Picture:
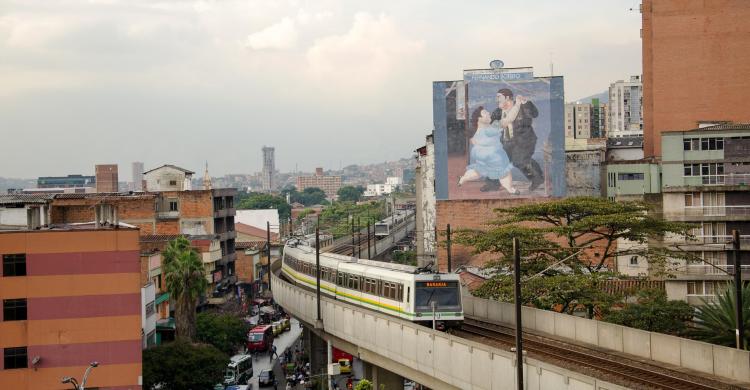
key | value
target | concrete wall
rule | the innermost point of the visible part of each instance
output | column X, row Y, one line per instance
column 436, row 359
column 703, row 357
column 13, row 216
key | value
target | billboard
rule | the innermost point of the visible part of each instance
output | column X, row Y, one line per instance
column 499, row 133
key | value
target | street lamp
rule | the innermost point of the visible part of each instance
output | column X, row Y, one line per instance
column 74, row 382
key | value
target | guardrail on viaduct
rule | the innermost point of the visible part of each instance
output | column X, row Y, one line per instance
column 704, row 357
column 421, row 354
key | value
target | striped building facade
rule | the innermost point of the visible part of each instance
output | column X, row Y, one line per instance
column 70, row 296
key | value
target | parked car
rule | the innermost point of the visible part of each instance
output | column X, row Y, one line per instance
column 286, row 324
column 346, row 366
column 266, row 378
column 277, row 328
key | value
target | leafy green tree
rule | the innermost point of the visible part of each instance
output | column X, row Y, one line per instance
column 335, row 219
column 185, row 281
column 715, row 323
column 579, row 222
column 258, row 201
column 654, row 313
column 405, row 257
column 363, row 384
column 350, row 193
column 225, row 331
column 181, row 365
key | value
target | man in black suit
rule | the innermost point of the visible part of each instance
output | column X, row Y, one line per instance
column 519, row 140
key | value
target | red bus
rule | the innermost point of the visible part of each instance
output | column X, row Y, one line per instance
column 260, row 338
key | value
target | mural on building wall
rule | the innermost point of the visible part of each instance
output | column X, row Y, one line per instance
column 499, row 134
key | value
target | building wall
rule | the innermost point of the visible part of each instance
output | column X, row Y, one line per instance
column 583, row 171
column 426, row 204
column 714, row 37
column 625, row 114
column 166, row 178
column 83, row 297
column 106, row 177
column 329, row 184
column 246, row 258
column 137, row 171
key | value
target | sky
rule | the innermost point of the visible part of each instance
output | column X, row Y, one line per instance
column 327, row 82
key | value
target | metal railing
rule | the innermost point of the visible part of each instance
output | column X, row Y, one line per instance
column 717, row 211
column 716, row 269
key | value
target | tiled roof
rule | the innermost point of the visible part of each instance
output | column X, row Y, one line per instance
column 159, row 237
column 25, row 198
column 631, row 286
column 254, row 231
column 625, row 142
column 250, row 244
column 170, row 166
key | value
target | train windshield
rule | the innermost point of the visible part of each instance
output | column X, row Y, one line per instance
column 446, row 296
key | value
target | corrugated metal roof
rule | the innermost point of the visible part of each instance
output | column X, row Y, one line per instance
column 171, row 166
column 102, row 195
column 159, row 237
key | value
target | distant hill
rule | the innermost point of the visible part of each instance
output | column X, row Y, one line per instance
column 603, row 98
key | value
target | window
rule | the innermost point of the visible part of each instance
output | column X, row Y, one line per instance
column 172, row 204
column 150, row 309
column 14, row 264
column 634, row 260
column 695, row 288
column 692, row 169
column 14, row 309
column 15, row 358
column 630, row 176
column 692, row 199
column 173, row 182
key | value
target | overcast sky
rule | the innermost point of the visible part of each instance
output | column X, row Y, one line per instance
column 327, row 82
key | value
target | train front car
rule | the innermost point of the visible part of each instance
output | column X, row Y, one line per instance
column 438, row 296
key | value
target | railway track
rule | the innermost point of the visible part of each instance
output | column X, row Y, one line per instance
column 630, row 373
column 345, row 248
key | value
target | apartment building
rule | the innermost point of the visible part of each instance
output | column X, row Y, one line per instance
column 106, row 177
column 625, row 115
column 329, row 184
column 702, row 179
column 71, row 296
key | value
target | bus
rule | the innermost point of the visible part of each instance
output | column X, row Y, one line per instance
column 260, row 338
column 239, row 370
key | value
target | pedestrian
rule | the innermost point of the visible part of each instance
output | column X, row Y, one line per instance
column 273, row 353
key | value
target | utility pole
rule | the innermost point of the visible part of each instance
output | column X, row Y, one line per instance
column 368, row 240
column 268, row 249
column 359, row 239
column 317, row 268
column 519, row 329
column 448, row 245
column 738, row 317
column 354, row 253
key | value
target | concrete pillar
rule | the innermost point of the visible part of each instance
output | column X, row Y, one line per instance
column 382, row 378
column 318, row 349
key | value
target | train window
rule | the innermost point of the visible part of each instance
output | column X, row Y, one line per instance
column 408, row 294
column 400, row 292
column 340, row 279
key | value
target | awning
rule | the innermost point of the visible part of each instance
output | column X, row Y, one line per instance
column 161, row 298
column 165, row 324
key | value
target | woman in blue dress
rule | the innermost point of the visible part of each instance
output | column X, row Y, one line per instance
column 487, row 158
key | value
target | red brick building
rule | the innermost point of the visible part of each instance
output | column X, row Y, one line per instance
column 106, row 177
column 696, row 65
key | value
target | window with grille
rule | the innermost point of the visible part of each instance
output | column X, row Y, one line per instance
column 15, row 357
column 14, row 309
column 14, row 264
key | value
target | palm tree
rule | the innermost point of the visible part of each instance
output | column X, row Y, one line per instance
column 185, row 280
column 715, row 322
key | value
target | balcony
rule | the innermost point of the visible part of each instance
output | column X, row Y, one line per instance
column 716, row 269
column 706, row 242
column 717, row 213
column 167, row 215
column 731, row 179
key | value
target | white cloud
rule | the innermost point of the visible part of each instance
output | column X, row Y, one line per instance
column 365, row 55
column 304, row 17
column 23, row 31
column 282, row 35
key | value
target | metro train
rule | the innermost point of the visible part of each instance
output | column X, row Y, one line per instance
column 394, row 289
column 384, row 227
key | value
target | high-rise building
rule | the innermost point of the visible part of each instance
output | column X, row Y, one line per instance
column 137, row 176
column 269, row 167
column 626, row 108
column 329, row 184
column 696, row 66
column 106, row 177
column 71, row 295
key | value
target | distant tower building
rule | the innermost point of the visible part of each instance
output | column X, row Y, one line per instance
column 626, row 108
column 137, row 176
column 206, row 179
column 269, row 167
column 106, row 177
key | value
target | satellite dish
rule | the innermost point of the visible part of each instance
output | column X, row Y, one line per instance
column 496, row 64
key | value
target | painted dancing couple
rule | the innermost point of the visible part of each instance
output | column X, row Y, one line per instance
column 502, row 140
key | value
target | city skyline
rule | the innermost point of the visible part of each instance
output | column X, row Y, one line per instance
column 133, row 77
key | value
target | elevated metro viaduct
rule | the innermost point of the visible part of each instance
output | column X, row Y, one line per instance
column 393, row 349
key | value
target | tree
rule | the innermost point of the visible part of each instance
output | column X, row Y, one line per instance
column 181, row 365
column 569, row 240
column 654, row 313
column 185, row 281
column 714, row 321
column 405, row 257
column 363, row 384
column 350, row 193
column 259, row 201
column 224, row 331
column 579, row 222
